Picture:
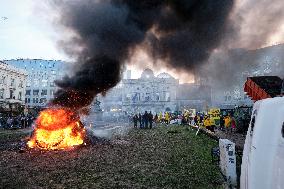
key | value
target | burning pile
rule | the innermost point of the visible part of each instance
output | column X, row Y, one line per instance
column 57, row 128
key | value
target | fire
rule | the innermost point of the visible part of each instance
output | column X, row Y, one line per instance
column 57, row 129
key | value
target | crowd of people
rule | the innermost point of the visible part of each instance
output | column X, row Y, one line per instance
column 14, row 122
column 145, row 120
column 225, row 123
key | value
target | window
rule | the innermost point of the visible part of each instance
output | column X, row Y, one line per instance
column 147, row 97
column 44, row 83
column 34, row 100
column 29, row 100
column 28, row 83
column 20, row 96
column 168, row 96
column 128, row 96
column 11, row 94
column 12, row 82
column 157, row 96
column 35, row 92
column 28, row 92
column 42, row 100
column 1, row 93
column 44, row 92
column 21, row 84
column 51, row 92
column 2, row 80
column 36, row 82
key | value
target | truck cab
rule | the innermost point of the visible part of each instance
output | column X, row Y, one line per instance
column 263, row 155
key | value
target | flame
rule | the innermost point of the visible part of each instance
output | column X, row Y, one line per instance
column 57, row 129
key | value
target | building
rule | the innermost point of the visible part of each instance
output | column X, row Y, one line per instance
column 149, row 93
column 157, row 94
column 12, row 87
column 40, row 86
column 240, row 64
column 196, row 96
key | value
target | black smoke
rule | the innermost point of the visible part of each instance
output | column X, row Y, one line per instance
column 183, row 33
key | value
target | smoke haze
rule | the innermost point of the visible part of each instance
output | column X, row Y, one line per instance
column 187, row 35
column 258, row 23
column 182, row 33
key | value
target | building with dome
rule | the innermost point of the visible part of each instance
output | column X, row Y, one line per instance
column 154, row 93
column 147, row 74
column 149, row 93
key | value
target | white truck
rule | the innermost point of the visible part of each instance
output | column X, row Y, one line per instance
column 263, row 155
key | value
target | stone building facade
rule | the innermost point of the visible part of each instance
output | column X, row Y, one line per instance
column 155, row 93
column 12, row 87
column 40, row 87
column 150, row 93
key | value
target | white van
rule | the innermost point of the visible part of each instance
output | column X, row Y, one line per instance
column 263, row 155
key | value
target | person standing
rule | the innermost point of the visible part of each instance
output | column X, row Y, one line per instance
column 22, row 118
column 233, row 125
column 146, row 120
column 222, row 123
column 167, row 118
column 135, row 120
column 140, row 120
column 199, row 123
column 160, row 118
column 207, row 123
column 156, row 119
column 30, row 121
column 212, row 124
column 2, row 122
column 9, row 122
column 150, row 118
column 195, row 120
column 227, row 121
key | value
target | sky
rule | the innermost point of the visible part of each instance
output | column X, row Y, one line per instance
column 26, row 31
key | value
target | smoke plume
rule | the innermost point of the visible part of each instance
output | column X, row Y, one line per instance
column 183, row 33
column 258, row 23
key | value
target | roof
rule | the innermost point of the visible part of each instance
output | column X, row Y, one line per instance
column 270, row 84
column 10, row 68
column 147, row 74
column 165, row 75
